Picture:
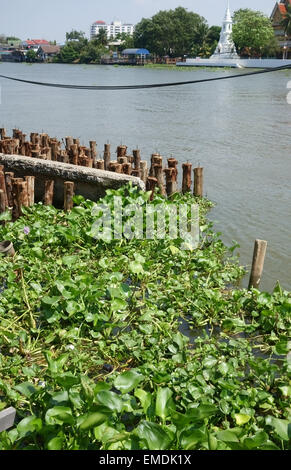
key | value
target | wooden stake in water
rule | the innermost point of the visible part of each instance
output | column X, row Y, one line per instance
column 30, row 181
column 8, row 182
column 68, row 195
column 187, row 182
column 198, row 182
column 48, row 192
column 258, row 263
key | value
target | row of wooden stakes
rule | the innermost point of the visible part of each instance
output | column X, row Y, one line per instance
column 16, row 193
column 47, row 148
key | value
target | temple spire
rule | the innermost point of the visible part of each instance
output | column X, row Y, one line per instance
column 226, row 48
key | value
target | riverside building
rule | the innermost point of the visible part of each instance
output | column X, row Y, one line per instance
column 113, row 29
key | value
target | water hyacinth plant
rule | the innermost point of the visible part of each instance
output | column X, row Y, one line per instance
column 137, row 344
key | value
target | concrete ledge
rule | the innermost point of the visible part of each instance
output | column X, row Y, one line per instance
column 89, row 182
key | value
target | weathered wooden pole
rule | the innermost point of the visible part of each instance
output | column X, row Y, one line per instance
column 30, row 181
column 22, row 197
column 107, row 156
column 127, row 168
column 2, row 133
column 144, row 171
column 68, row 195
column 73, row 154
column 2, row 202
column 171, row 184
column 3, row 186
column 260, row 249
column 122, row 160
column 8, row 183
column 173, row 163
column 136, row 159
column 159, row 174
column 121, row 151
column 187, row 173
column 151, row 186
column 100, row 164
column 153, row 161
column 16, row 211
column 135, row 173
column 48, row 192
column 198, row 182
column 69, row 142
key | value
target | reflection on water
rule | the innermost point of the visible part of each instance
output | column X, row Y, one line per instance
column 239, row 130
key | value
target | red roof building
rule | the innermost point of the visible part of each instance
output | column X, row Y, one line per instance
column 277, row 16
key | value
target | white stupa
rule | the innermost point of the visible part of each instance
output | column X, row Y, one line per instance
column 225, row 47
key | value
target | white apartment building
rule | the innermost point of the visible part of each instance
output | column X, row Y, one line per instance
column 112, row 29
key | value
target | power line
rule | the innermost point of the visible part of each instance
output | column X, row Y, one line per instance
column 140, row 87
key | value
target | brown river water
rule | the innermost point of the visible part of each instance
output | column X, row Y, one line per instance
column 239, row 130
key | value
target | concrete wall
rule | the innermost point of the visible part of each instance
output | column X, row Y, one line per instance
column 89, row 182
column 247, row 63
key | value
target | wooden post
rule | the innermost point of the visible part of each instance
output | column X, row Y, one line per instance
column 94, row 153
column 136, row 159
column 198, row 182
column 107, row 156
column 3, row 133
column 126, row 168
column 135, row 173
column 121, row 151
column 7, row 418
column 158, row 172
column 48, row 192
column 172, row 163
column 74, row 154
column 187, row 182
column 171, row 184
column 30, row 181
column 8, row 182
column 260, row 249
column 153, row 161
column 122, row 160
column 144, row 171
column 68, row 195
column 151, row 185
column 100, row 164
column 3, row 186
column 69, row 142
column 22, row 197
column 2, row 203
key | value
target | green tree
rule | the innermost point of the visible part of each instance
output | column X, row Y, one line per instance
column 127, row 41
column 31, row 56
column 171, row 32
column 252, row 32
column 75, row 35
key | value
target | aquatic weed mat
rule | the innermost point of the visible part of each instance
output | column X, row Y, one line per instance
column 137, row 344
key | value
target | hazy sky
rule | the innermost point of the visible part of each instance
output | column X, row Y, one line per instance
column 51, row 19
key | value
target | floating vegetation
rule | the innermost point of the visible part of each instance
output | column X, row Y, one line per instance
column 93, row 353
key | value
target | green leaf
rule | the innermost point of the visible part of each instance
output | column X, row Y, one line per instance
column 56, row 443
column 281, row 426
column 241, row 419
column 227, row 436
column 59, row 415
column 135, row 267
column 90, row 420
column 111, row 400
column 191, row 437
column 256, row 441
column 29, row 425
column 27, row 389
column 145, row 398
column 128, row 380
column 154, row 434
column 164, row 403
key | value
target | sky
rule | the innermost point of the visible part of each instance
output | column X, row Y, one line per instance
column 51, row 19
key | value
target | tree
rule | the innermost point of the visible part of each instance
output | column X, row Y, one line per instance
column 75, row 36
column 31, row 56
column 101, row 37
column 127, row 41
column 171, row 32
column 252, row 32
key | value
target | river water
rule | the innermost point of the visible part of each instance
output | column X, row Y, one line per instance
column 238, row 130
